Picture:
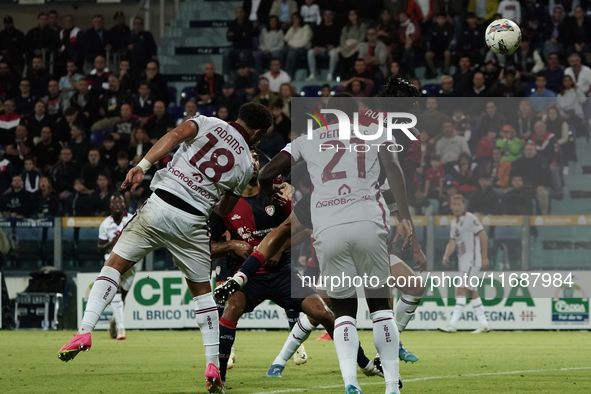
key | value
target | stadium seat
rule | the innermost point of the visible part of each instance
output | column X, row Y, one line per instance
column 206, row 110
column 187, row 94
column 530, row 88
column 97, row 136
column 431, row 89
column 177, row 112
column 172, row 95
column 310, row 91
column 334, row 90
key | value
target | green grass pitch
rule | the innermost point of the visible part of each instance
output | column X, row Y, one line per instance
column 173, row 362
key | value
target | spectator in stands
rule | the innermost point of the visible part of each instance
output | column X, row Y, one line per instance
column 110, row 104
column 102, row 196
column 434, row 177
column 510, row 9
column 80, row 201
column 492, row 120
column 120, row 33
column 25, row 101
column 534, row 171
column 517, row 201
column 553, row 73
column 524, row 123
column 386, row 29
column 463, row 173
column 209, row 85
column 541, row 97
column 485, row 146
column 450, row 146
column 230, row 100
column 420, row 11
column 141, row 48
column 78, row 144
column 71, row 39
column 6, row 171
column 122, row 128
column 555, row 32
column 109, row 151
column 447, row 93
column 13, row 46
column 484, row 10
column 526, row 60
column 127, row 80
column 63, row 173
column 432, row 120
column 282, row 123
column 271, row 45
column 156, row 82
column 374, row 53
column 283, row 10
column 143, row 102
column 30, row 176
column 478, row 86
column 222, row 113
column 461, row 123
column 257, row 11
column 52, row 100
column 353, row 33
column 93, row 168
column 48, row 203
column 86, row 102
column 20, row 148
column 508, row 85
column 53, row 21
column 160, row 123
column 359, row 70
column 484, row 201
column 46, row 151
column 39, row 77
column 40, row 40
column 270, row 145
column 240, row 34
column 556, row 124
column 286, row 92
column 463, row 77
column 578, row 32
column 120, row 172
column 8, row 81
column 325, row 44
column 63, row 127
column 68, row 83
column 498, row 170
column 298, row 40
column 190, row 111
column 276, row 76
column 438, row 44
column 38, row 120
column 97, row 40
column 8, row 123
column 98, row 78
column 470, row 42
column 310, row 13
column 265, row 96
column 509, row 144
column 491, row 71
column 357, row 87
column 18, row 202
column 570, row 102
column 139, row 145
column 245, row 82
column 580, row 73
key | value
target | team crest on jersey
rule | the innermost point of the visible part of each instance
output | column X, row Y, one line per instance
column 270, row 209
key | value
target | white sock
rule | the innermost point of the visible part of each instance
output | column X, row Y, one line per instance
column 300, row 332
column 117, row 306
column 479, row 310
column 241, row 278
column 206, row 313
column 385, row 339
column 405, row 309
column 457, row 313
column 346, row 342
column 102, row 293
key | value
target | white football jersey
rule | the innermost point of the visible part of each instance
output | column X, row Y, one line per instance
column 344, row 180
column 109, row 230
column 464, row 231
column 217, row 160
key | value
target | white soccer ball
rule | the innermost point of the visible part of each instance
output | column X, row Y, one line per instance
column 503, row 36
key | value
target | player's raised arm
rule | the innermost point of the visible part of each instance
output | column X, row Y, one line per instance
column 161, row 148
column 277, row 166
column 484, row 247
column 226, row 203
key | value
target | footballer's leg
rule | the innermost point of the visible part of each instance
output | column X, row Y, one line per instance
column 461, row 294
column 476, row 303
column 232, row 312
column 408, row 302
column 118, row 331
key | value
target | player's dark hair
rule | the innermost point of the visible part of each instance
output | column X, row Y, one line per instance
column 399, row 87
column 117, row 195
column 255, row 116
column 345, row 102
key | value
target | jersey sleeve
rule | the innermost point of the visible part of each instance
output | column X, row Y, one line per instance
column 103, row 236
column 295, row 147
column 217, row 227
column 476, row 225
column 201, row 121
column 244, row 181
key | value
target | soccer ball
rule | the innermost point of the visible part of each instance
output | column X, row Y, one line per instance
column 503, row 36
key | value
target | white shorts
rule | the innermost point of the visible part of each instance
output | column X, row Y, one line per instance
column 127, row 278
column 352, row 250
column 160, row 225
column 471, row 270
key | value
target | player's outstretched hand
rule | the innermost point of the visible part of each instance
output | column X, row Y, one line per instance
column 420, row 259
column 134, row 178
column 404, row 230
column 445, row 261
column 273, row 261
column 485, row 263
column 280, row 194
column 241, row 248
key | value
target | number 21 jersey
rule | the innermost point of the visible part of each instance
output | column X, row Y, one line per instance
column 217, row 160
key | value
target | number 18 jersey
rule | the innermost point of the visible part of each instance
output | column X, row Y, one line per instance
column 217, row 160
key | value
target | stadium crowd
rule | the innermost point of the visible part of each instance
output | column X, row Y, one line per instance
column 511, row 158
